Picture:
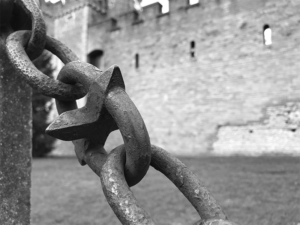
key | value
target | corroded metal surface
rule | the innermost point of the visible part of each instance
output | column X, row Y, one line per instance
column 108, row 108
column 16, row 43
column 187, row 183
column 125, row 205
column 134, row 133
column 92, row 121
column 118, row 194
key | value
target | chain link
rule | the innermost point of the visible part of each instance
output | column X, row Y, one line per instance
column 108, row 108
column 125, row 205
column 15, row 47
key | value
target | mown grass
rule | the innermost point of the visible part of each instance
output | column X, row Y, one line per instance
column 252, row 191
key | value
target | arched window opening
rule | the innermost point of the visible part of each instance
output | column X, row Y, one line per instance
column 137, row 61
column 95, row 58
column 267, row 34
column 193, row 2
column 193, row 49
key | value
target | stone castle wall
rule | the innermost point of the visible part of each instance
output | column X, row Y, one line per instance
column 218, row 101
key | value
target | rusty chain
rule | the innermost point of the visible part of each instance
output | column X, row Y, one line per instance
column 108, row 108
column 16, row 43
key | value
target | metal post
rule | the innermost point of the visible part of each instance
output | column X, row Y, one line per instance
column 15, row 133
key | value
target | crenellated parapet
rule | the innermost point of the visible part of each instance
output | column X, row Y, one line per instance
column 59, row 9
column 133, row 17
column 105, row 11
column 120, row 14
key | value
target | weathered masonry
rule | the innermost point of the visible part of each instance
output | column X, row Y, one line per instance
column 219, row 76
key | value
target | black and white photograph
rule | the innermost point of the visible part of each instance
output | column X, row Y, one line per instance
column 144, row 112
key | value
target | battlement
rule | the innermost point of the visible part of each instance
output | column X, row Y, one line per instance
column 149, row 14
column 122, row 17
column 59, row 9
column 130, row 18
column 119, row 9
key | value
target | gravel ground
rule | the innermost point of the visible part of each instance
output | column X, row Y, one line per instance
column 252, row 191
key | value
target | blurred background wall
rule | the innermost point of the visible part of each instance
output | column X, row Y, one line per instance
column 207, row 76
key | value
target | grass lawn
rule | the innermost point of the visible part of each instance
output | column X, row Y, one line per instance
column 252, row 191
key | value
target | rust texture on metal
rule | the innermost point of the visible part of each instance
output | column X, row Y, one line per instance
column 125, row 205
column 92, row 121
column 117, row 192
column 108, row 108
column 187, row 183
column 16, row 43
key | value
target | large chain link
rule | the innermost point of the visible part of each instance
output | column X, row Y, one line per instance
column 125, row 205
column 16, row 43
column 108, row 108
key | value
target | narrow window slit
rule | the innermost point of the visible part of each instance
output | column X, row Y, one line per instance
column 192, row 49
column 137, row 61
column 267, row 35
